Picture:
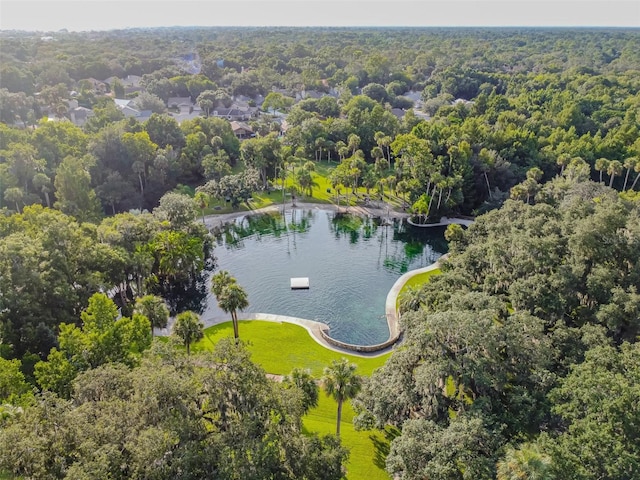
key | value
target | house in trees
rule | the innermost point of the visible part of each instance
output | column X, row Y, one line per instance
column 131, row 83
column 309, row 94
column 241, row 130
column 235, row 113
column 96, row 86
column 181, row 104
column 127, row 106
column 398, row 112
column 111, row 80
column 80, row 115
column 123, row 103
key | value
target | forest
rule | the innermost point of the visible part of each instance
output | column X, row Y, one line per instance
column 519, row 361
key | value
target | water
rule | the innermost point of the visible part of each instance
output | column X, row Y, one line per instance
column 352, row 262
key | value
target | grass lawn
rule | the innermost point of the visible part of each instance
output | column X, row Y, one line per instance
column 420, row 279
column 367, row 449
column 322, row 192
column 278, row 348
column 416, row 281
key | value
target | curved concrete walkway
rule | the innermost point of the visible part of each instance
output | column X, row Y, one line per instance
column 315, row 329
column 444, row 221
column 320, row 331
column 215, row 220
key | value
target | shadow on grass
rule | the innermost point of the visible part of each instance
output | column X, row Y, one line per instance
column 382, row 447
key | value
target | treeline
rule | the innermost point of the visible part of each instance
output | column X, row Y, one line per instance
column 507, row 354
column 214, row 415
column 51, row 264
column 521, row 360
column 123, row 166
column 475, row 111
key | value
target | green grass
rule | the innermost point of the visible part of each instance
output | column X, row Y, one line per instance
column 322, row 192
column 367, row 449
column 420, row 279
column 4, row 475
column 416, row 281
column 280, row 347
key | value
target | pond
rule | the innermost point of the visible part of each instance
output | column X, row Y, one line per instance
column 351, row 262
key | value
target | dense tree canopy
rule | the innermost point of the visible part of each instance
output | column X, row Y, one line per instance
column 506, row 355
column 214, row 416
column 492, row 104
column 522, row 333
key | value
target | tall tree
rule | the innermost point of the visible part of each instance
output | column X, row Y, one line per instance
column 155, row 309
column 342, row 383
column 188, row 328
column 303, row 380
column 614, row 169
column 73, row 190
column 231, row 299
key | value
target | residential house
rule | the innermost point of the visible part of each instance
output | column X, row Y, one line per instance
column 98, row 87
column 398, row 112
column 128, row 107
column 180, row 103
column 235, row 112
column 188, row 114
column 131, row 83
column 124, row 102
column 80, row 115
column 242, row 130
column 309, row 94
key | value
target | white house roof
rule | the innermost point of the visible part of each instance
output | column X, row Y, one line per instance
column 123, row 102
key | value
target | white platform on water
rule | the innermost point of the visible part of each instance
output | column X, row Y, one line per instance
column 300, row 283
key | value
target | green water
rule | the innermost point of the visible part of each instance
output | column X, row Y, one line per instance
column 351, row 261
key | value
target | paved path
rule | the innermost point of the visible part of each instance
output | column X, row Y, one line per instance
column 444, row 221
column 215, row 220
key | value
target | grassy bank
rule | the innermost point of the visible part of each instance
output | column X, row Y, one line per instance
column 280, row 347
column 321, row 192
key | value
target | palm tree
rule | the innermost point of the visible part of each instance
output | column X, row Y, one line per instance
column 43, row 183
column 231, row 299
column 221, row 280
column 202, row 201
column 525, row 463
column 411, row 299
column 563, row 160
column 138, row 168
column 353, row 142
column 487, row 159
column 629, row 164
column 188, row 328
column 14, row 195
column 637, row 170
column 342, row 383
column 154, row 308
column 614, row 169
column 601, row 166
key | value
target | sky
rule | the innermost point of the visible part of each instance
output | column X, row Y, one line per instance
column 85, row 15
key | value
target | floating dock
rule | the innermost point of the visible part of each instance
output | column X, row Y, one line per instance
column 300, row 283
